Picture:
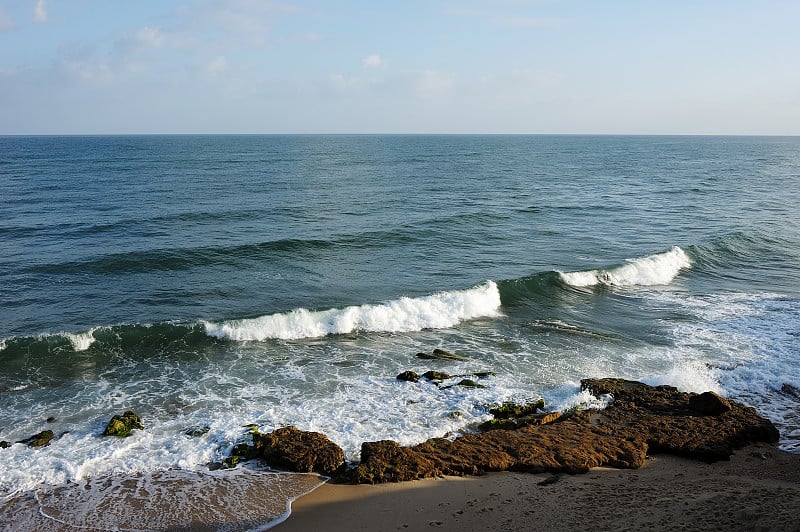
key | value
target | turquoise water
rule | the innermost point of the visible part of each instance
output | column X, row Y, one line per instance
column 224, row 280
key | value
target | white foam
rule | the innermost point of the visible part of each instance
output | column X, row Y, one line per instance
column 438, row 311
column 81, row 341
column 658, row 269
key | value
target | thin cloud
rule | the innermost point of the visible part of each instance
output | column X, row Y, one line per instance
column 40, row 11
column 372, row 61
column 151, row 37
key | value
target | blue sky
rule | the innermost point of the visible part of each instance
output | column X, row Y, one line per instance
column 480, row 66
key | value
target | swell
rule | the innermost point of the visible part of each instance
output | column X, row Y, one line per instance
column 182, row 259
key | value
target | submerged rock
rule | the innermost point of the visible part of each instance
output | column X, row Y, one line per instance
column 121, row 426
column 196, row 432
column 408, row 376
column 436, row 375
column 441, row 354
column 641, row 419
column 469, row 383
column 39, row 440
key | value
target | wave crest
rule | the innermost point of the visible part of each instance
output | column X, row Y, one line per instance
column 406, row 314
column 657, row 269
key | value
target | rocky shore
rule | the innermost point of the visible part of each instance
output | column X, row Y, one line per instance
column 640, row 419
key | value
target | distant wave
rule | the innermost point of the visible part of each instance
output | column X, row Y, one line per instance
column 657, row 269
column 406, row 314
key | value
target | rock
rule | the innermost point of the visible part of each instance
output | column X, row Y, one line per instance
column 387, row 461
column 299, row 451
column 485, row 374
column 498, row 424
column 408, row 376
column 121, row 426
column 469, row 383
column 641, row 419
column 790, row 390
column 709, row 403
column 440, row 354
column 196, row 432
column 524, row 421
column 39, row 440
column 5, row 444
column 511, row 410
column 435, row 376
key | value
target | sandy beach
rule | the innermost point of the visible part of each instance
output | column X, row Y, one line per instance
column 758, row 489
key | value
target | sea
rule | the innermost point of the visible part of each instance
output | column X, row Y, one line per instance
column 211, row 283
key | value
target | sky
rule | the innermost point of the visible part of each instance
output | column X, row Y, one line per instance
column 411, row 66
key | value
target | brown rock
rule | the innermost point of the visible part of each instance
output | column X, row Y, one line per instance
column 709, row 403
column 387, row 461
column 295, row 450
column 641, row 419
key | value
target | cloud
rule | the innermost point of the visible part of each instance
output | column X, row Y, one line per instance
column 372, row 61
column 40, row 11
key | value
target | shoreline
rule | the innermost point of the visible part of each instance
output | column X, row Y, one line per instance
column 758, row 489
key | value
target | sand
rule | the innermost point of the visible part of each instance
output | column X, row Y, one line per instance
column 758, row 489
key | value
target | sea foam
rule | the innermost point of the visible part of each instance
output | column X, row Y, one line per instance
column 406, row 314
column 81, row 341
column 657, row 269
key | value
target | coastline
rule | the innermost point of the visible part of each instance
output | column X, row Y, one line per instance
column 758, row 489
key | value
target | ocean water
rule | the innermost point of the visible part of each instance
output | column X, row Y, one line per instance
column 210, row 282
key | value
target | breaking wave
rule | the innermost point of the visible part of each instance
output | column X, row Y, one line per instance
column 658, row 269
column 406, row 314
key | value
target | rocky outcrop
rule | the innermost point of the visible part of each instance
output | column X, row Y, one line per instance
column 294, row 450
column 641, row 419
column 121, row 426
